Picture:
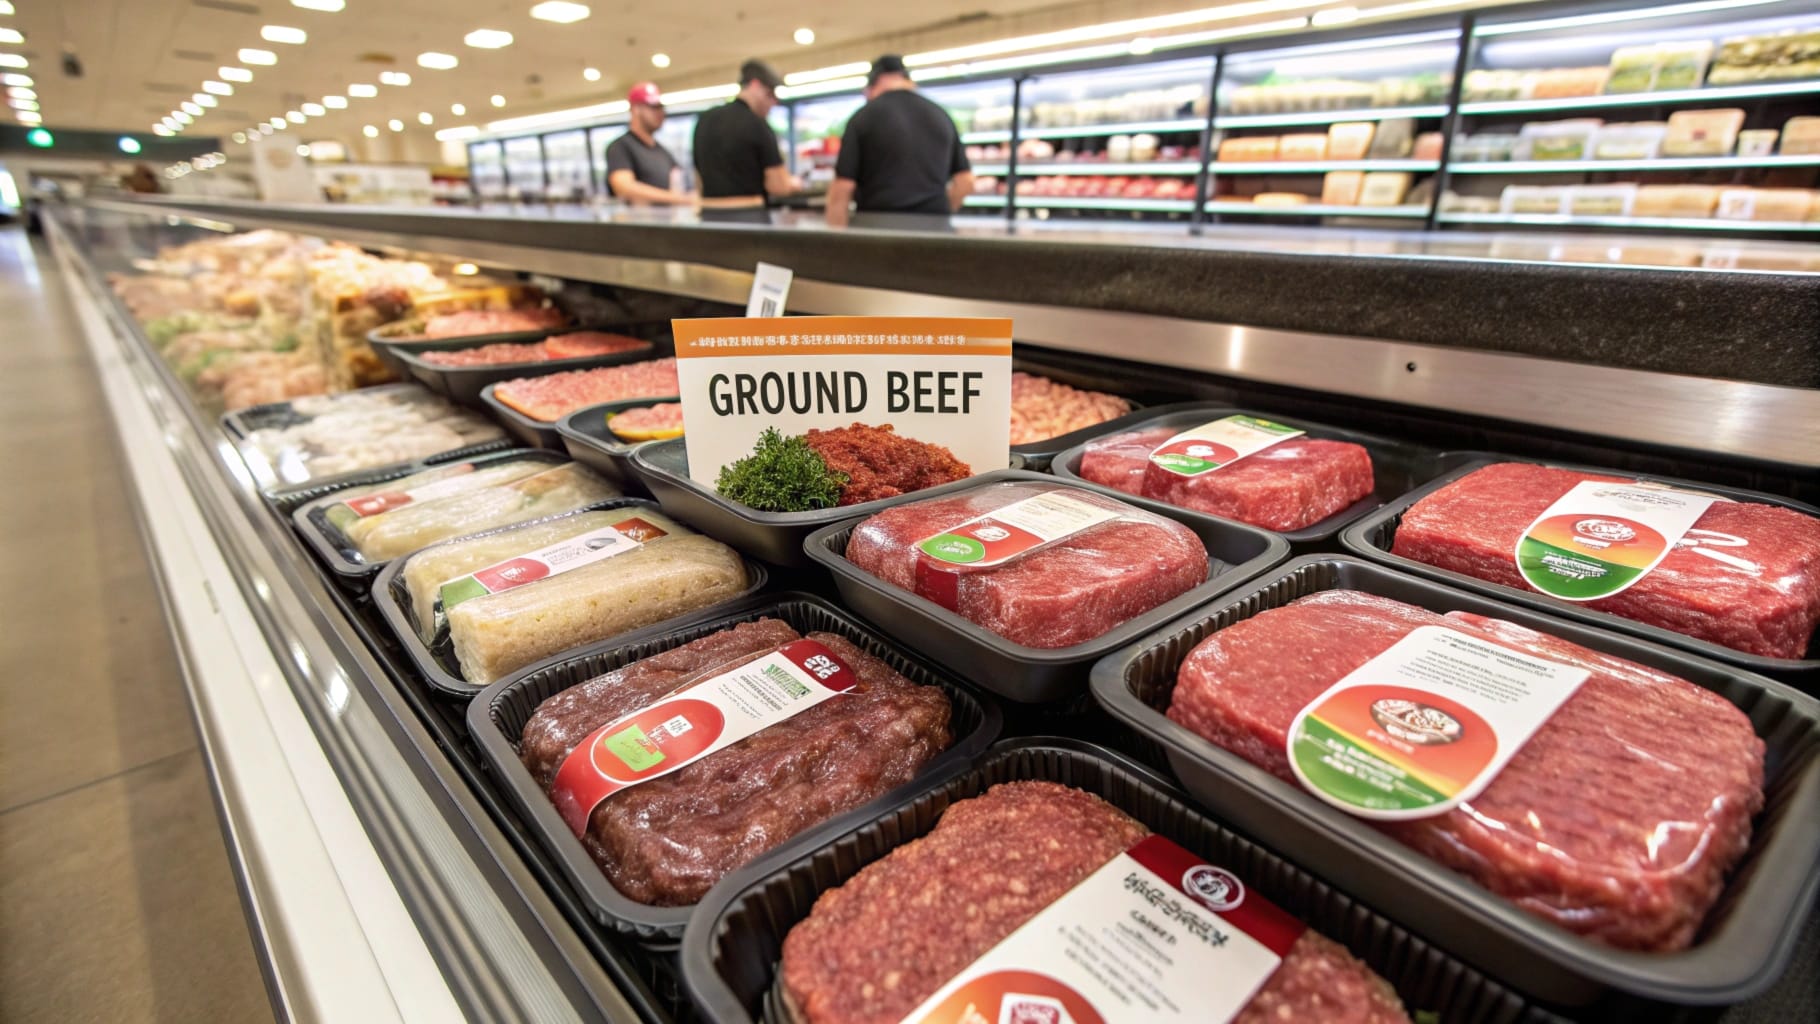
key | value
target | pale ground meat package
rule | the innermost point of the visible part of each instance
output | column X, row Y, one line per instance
column 500, row 501
column 1068, row 589
column 1617, row 820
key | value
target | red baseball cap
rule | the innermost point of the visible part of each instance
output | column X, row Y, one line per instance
column 645, row 93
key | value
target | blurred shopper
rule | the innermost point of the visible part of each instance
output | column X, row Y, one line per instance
column 737, row 159
column 901, row 155
column 639, row 169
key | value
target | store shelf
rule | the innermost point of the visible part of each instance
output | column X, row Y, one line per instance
column 1225, row 121
column 1691, row 163
column 1096, row 167
column 1322, row 166
column 1086, row 131
column 991, row 202
column 1671, row 97
column 1677, row 223
column 1106, row 203
column 1315, row 210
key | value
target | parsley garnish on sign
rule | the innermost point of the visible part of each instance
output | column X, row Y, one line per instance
column 783, row 474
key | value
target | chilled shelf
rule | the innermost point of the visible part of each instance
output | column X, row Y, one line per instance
column 1316, row 210
column 1681, row 223
column 1667, row 97
column 1084, row 131
column 1108, row 167
column 993, row 202
column 1106, row 203
column 1689, row 163
column 1224, row 121
column 1322, row 166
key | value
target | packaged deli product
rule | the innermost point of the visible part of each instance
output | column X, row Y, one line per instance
column 1702, row 132
column 576, row 345
column 1801, row 136
column 1617, row 818
column 667, row 840
column 422, row 523
column 1341, row 188
column 1038, row 564
column 991, row 865
column 365, row 502
column 1350, row 140
column 550, row 398
column 1289, row 484
column 437, row 568
column 328, row 435
column 496, row 635
column 1742, row 575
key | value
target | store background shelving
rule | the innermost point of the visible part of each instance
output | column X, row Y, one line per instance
column 1424, row 71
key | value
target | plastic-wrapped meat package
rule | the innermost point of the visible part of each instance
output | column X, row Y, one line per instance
column 367, row 502
column 328, row 435
column 1287, row 486
column 419, row 524
column 990, row 865
column 1617, row 820
column 1042, row 408
column 665, row 842
column 1043, row 565
column 498, row 634
column 553, row 396
column 1747, row 576
column 429, row 569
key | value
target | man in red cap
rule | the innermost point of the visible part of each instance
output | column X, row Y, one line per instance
column 639, row 169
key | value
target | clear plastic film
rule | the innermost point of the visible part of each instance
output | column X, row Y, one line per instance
column 1618, row 819
column 498, row 634
column 1745, row 576
column 1286, row 486
column 430, row 568
column 552, row 396
column 335, row 434
column 507, row 501
column 667, row 841
column 1043, row 565
column 371, row 500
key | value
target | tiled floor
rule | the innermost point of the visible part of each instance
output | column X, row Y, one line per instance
column 116, row 901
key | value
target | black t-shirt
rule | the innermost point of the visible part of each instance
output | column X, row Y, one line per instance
column 733, row 148
column 650, row 164
column 901, row 148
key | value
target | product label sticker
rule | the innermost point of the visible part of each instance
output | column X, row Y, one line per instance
column 1601, row 537
column 770, row 289
column 694, row 723
column 1222, row 442
column 343, row 513
column 1426, row 725
column 944, row 381
column 1000, row 536
column 554, row 560
column 1156, row 934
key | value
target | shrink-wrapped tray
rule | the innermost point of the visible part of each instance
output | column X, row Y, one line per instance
column 420, row 524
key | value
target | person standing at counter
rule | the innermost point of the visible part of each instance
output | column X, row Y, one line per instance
column 900, row 154
column 639, row 169
column 737, row 159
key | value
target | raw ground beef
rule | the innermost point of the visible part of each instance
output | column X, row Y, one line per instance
column 648, row 422
column 880, row 463
column 1760, row 597
column 1287, row 486
column 492, row 321
column 1042, row 408
column 667, row 841
column 561, row 346
column 1066, row 593
column 552, row 397
column 875, row 948
column 1617, row 820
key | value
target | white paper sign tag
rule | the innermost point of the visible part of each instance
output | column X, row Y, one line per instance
column 770, row 290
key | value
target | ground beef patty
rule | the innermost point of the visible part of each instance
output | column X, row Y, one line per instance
column 1617, row 820
column 875, row 948
column 880, row 463
column 667, row 841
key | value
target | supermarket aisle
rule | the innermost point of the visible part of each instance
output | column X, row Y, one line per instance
column 116, row 901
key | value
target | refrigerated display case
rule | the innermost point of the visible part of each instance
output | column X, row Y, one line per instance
column 599, row 138
column 815, row 130
column 568, row 167
column 487, row 170
column 525, row 179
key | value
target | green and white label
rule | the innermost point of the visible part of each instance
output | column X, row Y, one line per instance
column 1015, row 529
column 1426, row 725
column 1222, row 442
column 1601, row 537
column 554, row 560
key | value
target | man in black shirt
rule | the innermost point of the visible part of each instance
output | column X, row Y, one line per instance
column 900, row 153
column 639, row 169
column 737, row 159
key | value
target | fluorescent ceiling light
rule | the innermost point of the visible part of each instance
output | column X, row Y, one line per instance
column 395, row 124
column 129, row 145
column 284, row 34
column 203, row 99
column 560, row 117
column 466, row 131
column 314, row 109
column 217, row 88
column 1334, row 16
column 161, row 130
column 706, row 92
column 823, row 74
column 233, row 74
column 190, row 108
column 182, row 118
column 13, row 60
column 23, row 104
column 276, row 122
column 21, row 92
column 458, row 109
column 792, row 92
column 27, row 117
column 591, row 74
column 335, row 102
column 426, row 118
column 393, row 78
column 1142, row 45
column 240, row 137
column 1609, row 17
column 1119, row 29
column 660, row 60
column 360, row 90
column 804, row 36
column 488, row 39
column 434, row 61
column 11, row 78
column 560, row 12
column 370, row 131
column 295, row 116
column 11, row 35
column 251, row 56
column 6, row 7
column 325, row 6
column 303, row 150
column 498, row 100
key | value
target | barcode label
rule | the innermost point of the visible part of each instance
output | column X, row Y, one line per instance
column 767, row 306
column 770, row 287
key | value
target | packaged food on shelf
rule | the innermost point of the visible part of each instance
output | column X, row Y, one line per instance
column 839, row 967
column 1687, row 201
column 1780, row 204
column 1454, row 202
column 452, row 572
column 1742, row 574
column 1702, row 132
column 1570, row 828
column 500, row 633
column 1556, row 140
column 1384, row 188
column 1118, row 149
column 1296, row 96
column 1790, row 54
column 647, row 422
column 1801, row 136
column 666, row 839
column 1350, row 140
column 501, row 500
column 1615, row 200
column 365, row 500
column 1394, row 138
column 1042, row 408
column 1485, row 146
column 1341, row 188
column 550, row 398
column 323, row 436
column 573, row 345
column 1304, row 146
column 1041, row 565
column 1633, row 68
column 1427, row 146
column 1532, row 199
column 352, row 293
column 1248, row 148
column 1638, row 140
column 1280, row 199
column 1682, row 65
column 1144, row 147
column 464, row 323
column 1757, row 142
